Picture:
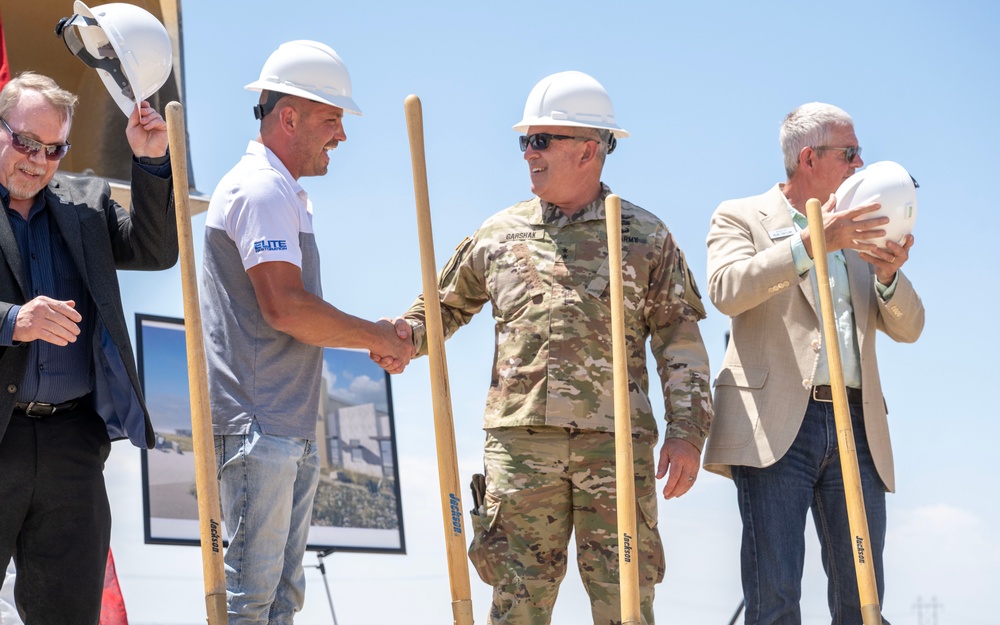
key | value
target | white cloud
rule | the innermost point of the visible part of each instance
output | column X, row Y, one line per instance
column 329, row 376
column 362, row 390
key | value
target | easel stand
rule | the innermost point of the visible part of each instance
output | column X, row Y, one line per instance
column 322, row 570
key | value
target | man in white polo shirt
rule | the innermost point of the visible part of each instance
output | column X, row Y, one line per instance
column 266, row 325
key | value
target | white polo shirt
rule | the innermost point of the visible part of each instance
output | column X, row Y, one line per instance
column 258, row 214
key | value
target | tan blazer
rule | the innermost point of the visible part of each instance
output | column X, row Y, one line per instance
column 762, row 390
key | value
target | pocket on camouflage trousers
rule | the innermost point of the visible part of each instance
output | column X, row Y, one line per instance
column 488, row 551
column 650, row 547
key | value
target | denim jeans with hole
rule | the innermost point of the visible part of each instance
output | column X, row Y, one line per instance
column 774, row 502
column 266, row 486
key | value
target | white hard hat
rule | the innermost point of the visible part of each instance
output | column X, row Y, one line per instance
column 127, row 45
column 891, row 186
column 307, row 69
column 570, row 99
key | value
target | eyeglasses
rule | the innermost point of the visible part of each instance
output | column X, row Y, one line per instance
column 30, row 147
column 540, row 140
column 850, row 153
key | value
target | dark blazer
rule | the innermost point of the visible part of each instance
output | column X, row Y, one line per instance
column 102, row 237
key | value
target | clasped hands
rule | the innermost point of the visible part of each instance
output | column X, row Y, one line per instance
column 397, row 338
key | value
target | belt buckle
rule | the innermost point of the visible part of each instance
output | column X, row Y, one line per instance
column 820, row 399
column 39, row 409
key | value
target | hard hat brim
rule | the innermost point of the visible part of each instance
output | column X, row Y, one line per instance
column 127, row 105
column 82, row 9
column 524, row 124
column 342, row 102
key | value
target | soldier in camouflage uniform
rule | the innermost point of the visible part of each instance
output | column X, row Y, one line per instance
column 550, row 450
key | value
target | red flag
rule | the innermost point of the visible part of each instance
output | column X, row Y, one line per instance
column 112, row 603
column 4, row 68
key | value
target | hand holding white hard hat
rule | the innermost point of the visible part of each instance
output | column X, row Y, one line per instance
column 890, row 185
column 130, row 49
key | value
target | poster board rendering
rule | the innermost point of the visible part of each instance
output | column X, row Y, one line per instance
column 357, row 505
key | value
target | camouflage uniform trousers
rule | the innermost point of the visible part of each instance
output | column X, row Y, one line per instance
column 543, row 483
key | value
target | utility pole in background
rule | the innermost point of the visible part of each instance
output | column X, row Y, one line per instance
column 932, row 607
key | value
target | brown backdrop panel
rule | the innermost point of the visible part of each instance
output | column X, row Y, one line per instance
column 98, row 137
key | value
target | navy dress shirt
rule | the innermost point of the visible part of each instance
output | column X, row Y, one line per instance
column 54, row 374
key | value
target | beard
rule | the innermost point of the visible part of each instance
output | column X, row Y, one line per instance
column 318, row 166
column 21, row 189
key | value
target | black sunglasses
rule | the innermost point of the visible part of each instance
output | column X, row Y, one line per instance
column 540, row 140
column 850, row 153
column 30, row 147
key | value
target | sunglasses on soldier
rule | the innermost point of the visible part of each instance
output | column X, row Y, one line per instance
column 30, row 147
column 540, row 140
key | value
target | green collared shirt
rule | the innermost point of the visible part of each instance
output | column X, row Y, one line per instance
column 840, row 289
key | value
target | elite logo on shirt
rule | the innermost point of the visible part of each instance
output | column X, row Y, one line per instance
column 270, row 246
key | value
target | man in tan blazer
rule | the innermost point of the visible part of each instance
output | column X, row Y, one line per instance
column 774, row 430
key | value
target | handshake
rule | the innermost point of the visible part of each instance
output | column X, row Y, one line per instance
column 393, row 345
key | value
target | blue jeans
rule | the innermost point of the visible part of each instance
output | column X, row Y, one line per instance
column 774, row 502
column 266, row 486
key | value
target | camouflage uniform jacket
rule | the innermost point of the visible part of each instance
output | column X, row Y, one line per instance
column 546, row 276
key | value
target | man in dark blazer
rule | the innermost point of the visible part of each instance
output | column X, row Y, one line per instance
column 68, row 380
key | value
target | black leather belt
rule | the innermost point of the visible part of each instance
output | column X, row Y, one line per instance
column 824, row 393
column 39, row 409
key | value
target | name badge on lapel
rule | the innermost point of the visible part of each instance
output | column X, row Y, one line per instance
column 781, row 233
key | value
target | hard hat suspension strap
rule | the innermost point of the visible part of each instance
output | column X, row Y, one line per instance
column 260, row 110
column 110, row 62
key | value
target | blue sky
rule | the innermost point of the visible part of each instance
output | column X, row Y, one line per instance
column 165, row 376
column 354, row 378
column 702, row 87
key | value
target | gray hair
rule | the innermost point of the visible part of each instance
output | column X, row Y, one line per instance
column 603, row 143
column 808, row 126
column 62, row 100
